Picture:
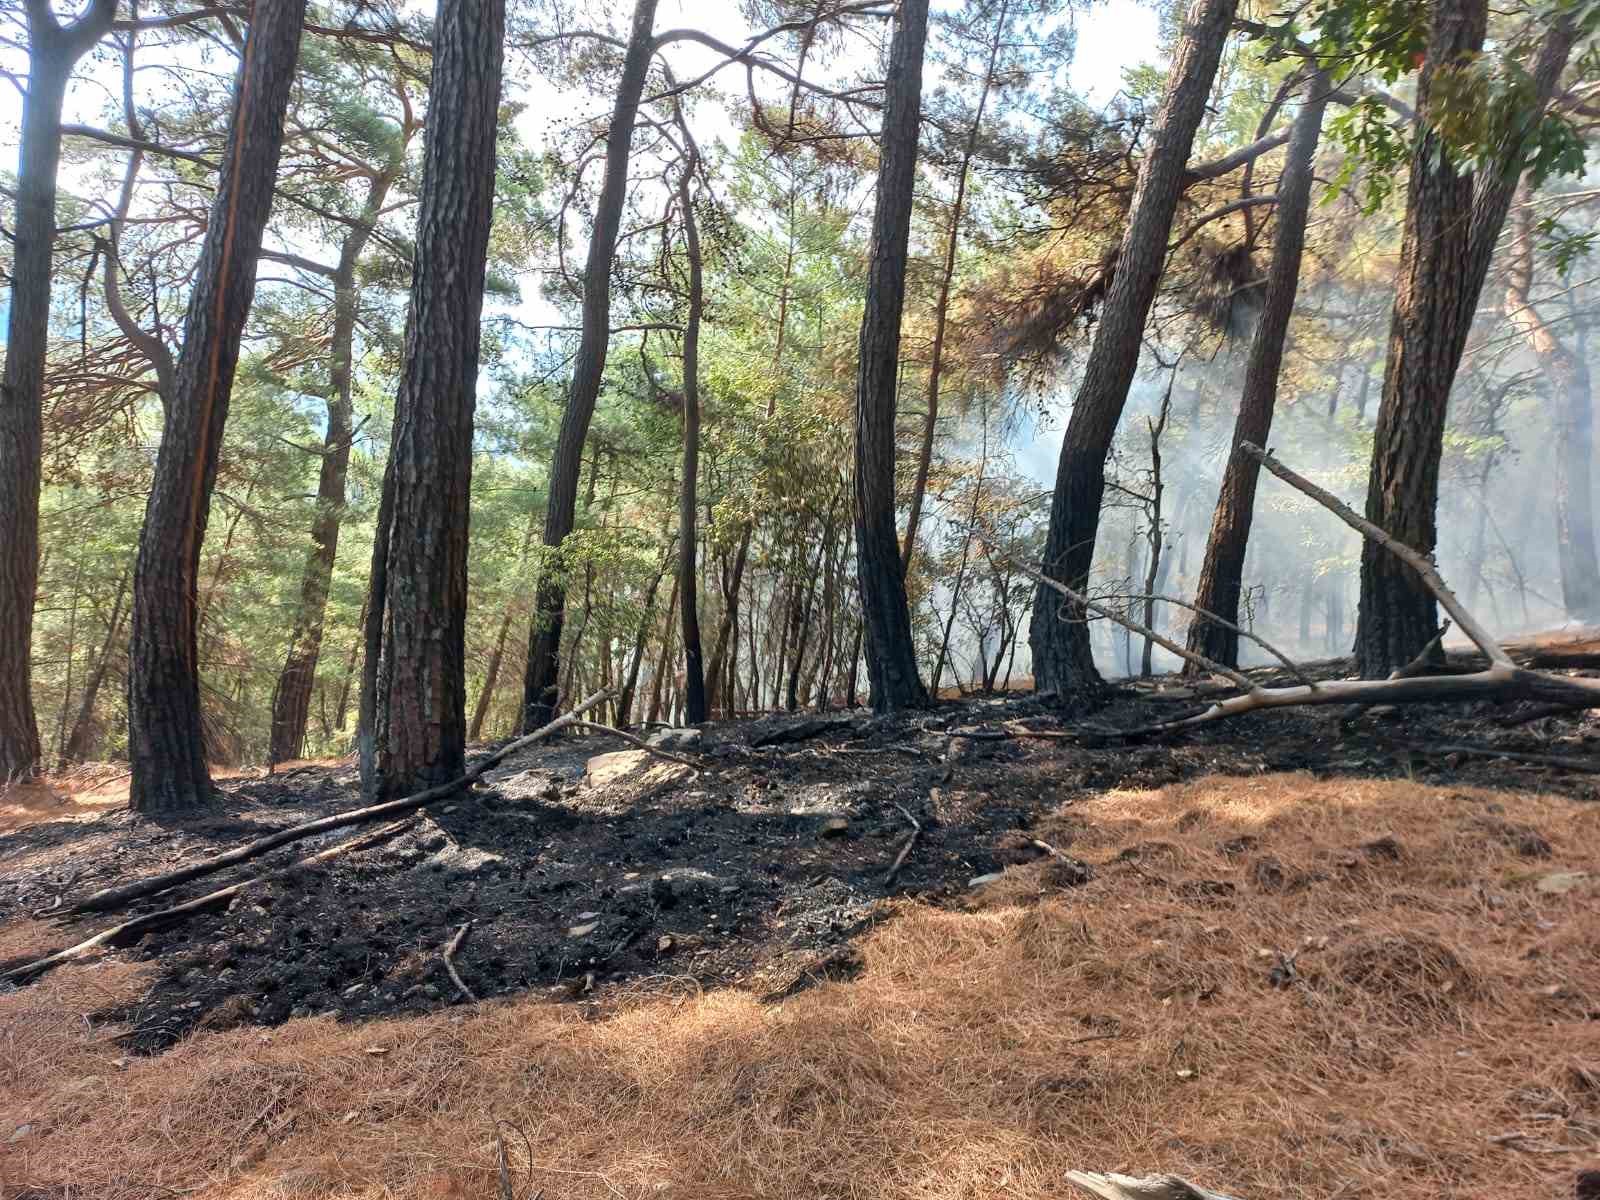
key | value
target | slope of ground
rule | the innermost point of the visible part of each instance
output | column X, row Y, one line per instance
column 1274, row 984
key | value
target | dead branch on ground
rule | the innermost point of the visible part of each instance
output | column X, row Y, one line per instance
column 167, row 916
column 1153, row 1187
column 450, row 962
column 108, row 899
column 905, row 850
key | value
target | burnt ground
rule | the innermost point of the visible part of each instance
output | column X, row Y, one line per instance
column 755, row 872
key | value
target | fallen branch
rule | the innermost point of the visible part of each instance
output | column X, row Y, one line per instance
column 1420, row 665
column 178, row 912
column 905, row 850
column 450, row 964
column 1288, row 663
column 1154, row 1187
column 108, row 899
column 1419, row 563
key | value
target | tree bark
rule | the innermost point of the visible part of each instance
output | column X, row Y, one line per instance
column 1063, row 660
column 540, row 690
column 1567, row 375
column 52, row 52
column 414, row 720
column 166, row 742
column 1222, row 572
column 891, row 654
column 1453, row 220
column 291, row 699
column 941, row 310
column 688, row 575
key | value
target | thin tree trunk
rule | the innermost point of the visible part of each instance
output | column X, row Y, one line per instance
column 414, row 722
column 1157, row 530
column 665, row 661
column 52, row 51
column 880, row 573
column 77, row 744
column 1222, row 572
column 544, row 647
column 941, row 308
column 291, row 698
column 646, row 623
column 166, row 741
column 1453, row 220
column 1063, row 659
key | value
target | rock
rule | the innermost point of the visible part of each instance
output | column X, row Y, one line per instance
column 978, row 881
column 665, row 944
column 354, row 990
column 1560, row 882
column 786, row 731
column 19, row 1133
column 584, row 930
column 634, row 767
column 833, row 827
column 677, row 739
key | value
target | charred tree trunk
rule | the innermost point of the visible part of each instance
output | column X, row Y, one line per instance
column 1567, row 375
column 413, row 720
column 166, row 741
column 891, row 653
column 1453, row 220
column 52, row 51
column 291, row 700
column 1063, row 659
column 540, row 689
column 1222, row 572
column 941, row 310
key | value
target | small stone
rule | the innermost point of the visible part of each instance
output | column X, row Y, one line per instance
column 978, row 881
column 834, row 827
column 354, row 990
column 665, row 944
column 584, row 930
column 587, row 916
column 21, row 1132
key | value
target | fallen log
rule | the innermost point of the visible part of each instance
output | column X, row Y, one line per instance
column 109, row 899
column 178, row 912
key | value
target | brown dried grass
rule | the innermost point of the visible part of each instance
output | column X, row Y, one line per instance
column 1439, row 999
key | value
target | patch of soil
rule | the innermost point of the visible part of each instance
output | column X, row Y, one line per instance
column 758, row 871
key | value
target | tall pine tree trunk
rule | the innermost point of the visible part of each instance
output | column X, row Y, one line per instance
column 291, row 699
column 1453, row 219
column 52, row 51
column 1063, row 659
column 941, row 309
column 688, row 573
column 166, row 743
column 891, row 654
column 1222, row 572
column 540, row 689
column 413, row 719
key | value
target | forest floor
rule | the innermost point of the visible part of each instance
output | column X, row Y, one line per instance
column 1276, row 956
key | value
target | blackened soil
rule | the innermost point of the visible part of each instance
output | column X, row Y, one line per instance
column 757, row 871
